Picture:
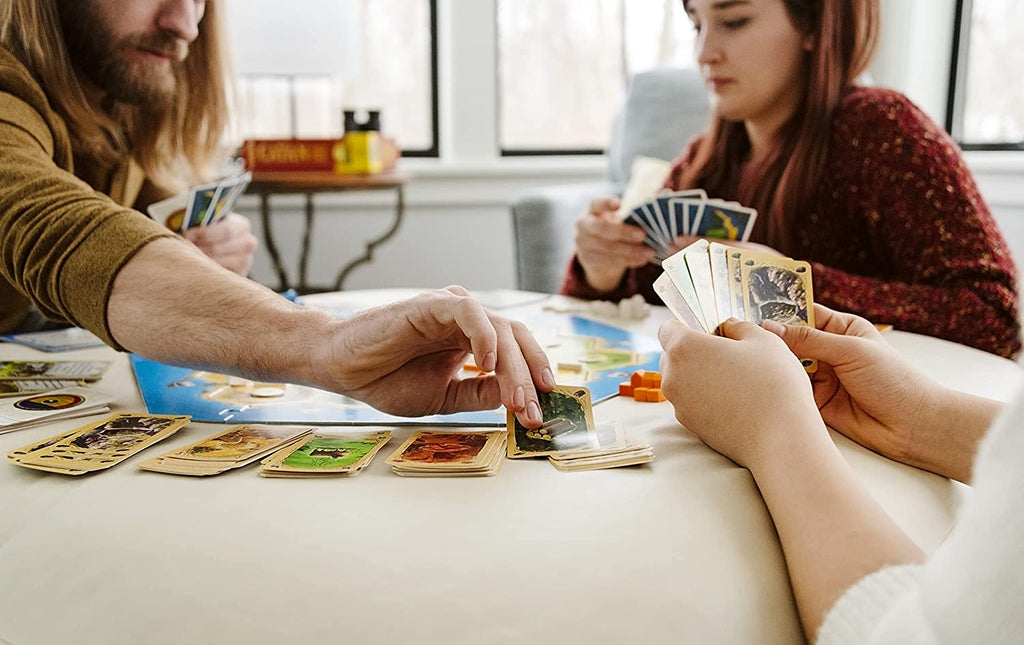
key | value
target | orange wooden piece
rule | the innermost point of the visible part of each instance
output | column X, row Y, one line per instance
column 637, row 379
column 654, row 395
column 625, row 389
column 651, row 379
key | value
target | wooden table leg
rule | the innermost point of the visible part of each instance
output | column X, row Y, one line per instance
column 268, row 237
column 372, row 244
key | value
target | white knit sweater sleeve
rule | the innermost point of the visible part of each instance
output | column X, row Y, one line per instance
column 972, row 589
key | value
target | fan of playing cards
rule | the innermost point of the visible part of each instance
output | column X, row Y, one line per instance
column 707, row 283
column 669, row 215
column 202, row 205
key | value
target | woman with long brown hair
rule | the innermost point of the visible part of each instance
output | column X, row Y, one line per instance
column 855, row 180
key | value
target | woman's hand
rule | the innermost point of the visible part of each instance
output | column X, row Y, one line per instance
column 744, row 394
column 606, row 247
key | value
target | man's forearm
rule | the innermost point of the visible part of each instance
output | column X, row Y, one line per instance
column 173, row 304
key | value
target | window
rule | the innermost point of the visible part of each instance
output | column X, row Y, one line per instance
column 563, row 66
column 396, row 49
column 986, row 105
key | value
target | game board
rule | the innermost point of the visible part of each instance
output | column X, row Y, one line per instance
column 582, row 352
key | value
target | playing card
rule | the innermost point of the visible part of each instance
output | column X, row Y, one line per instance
column 34, row 409
column 170, row 212
column 725, row 221
column 102, row 444
column 233, row 448
column 669, row 294
column 717, row 254
column 646, row 178
column 199, row 200
column 736, row 283
column 430, row 451
column 640, row 219
column 699, row 265
column 232, row 188
column 56, row 340
column 56, row 370
column 676, row 269
column 326, row 455
column 568, row 424
column 19, row 388
column 679, row 220
column 779, row 289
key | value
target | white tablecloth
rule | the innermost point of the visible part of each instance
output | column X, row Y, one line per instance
column 681, row 551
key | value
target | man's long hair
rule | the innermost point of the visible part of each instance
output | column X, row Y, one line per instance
column 845, row 35
column 176, row 143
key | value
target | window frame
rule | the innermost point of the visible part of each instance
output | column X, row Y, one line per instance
column 434, row 150
column 957, row 94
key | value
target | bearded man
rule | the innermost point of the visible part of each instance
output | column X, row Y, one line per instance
column 109, row 105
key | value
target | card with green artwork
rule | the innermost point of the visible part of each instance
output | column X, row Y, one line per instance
column 568, row 424
column 326, row 454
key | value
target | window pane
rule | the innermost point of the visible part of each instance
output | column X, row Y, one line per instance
column 394, row 74
column 994, row 102
column 564, row 65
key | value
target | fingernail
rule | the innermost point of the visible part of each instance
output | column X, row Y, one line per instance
column 533, row 412
column 519, row 398
column 489, row 362
column 547, row 377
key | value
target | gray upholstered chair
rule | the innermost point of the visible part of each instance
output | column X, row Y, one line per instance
column 664, row 108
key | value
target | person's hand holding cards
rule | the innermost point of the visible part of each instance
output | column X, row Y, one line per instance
column 203, row 215
column 406, row 358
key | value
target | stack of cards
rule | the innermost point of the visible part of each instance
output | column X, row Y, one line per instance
column 201, row 206
column 706, row 283
column 37, row 409
column 666, row 215
column 450, row 454
column 235, row 447
column 99, row 445
column 325, row 455
column 56, row 340
column 615, row 450
column 52, row 370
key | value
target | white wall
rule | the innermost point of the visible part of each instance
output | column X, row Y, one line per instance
column 457, row 227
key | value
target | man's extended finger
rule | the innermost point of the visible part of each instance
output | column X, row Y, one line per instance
column 536, row 359
column 474, row 323
column 518, row 392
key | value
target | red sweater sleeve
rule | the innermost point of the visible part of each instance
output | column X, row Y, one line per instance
column 947, row 270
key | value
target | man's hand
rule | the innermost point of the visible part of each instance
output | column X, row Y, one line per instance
column 229, row 242
column 405, row 358
column 606, row 248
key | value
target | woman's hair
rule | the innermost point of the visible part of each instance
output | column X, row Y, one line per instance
column 176, row 143
column 845, row 33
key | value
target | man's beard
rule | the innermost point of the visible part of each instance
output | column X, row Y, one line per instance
column 107, row 63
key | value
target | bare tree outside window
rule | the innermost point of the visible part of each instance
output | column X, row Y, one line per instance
column 564, row 66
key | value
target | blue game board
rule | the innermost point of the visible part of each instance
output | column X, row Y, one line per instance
column 593, row 354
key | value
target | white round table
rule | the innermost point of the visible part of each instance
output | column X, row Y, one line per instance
column 680, row 551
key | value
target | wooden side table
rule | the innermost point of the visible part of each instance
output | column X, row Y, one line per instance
column 267, row 183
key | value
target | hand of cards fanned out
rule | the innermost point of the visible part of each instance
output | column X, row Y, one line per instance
column 98, row 445
column 707, row 283
column 437, row 453
column 665, row 215
column 569, row 437
column 201, row 206
column 233, row 448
